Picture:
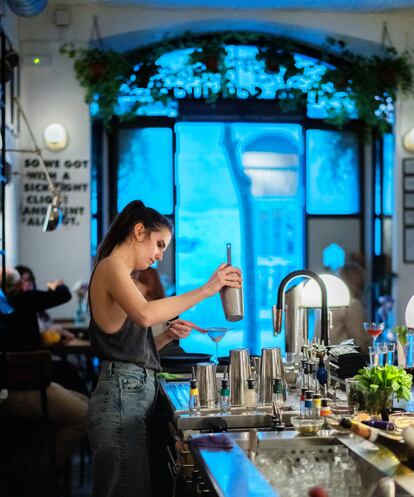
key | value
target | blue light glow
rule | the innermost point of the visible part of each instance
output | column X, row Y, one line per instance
column 333, row 257
column 332, row 172
column 145, row 169
column 378, row 237
column 388, row 192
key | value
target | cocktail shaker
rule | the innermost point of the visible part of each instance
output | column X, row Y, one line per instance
column 207, row 385
column 271, row 366
column 232, row 298
column 239, row 374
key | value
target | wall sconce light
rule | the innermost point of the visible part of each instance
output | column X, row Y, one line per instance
column 408, row 141
column 55, row 136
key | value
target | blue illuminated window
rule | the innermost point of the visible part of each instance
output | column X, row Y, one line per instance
column 145, row 169
column 238, row 183
column 388, row 158
column 332, row 173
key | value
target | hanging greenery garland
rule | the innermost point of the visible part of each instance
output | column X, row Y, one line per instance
column 372, row 83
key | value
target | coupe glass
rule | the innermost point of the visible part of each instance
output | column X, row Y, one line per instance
column 217, row 334
column 374, row 330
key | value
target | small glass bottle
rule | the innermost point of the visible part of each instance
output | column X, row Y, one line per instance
column 316, row 405
column 302, row 402
column 308, row 403
column 322, row 374
column 194, row 400
column 224, row 395
column 277, row 397
column 325, row 412
column 312, row 381
column 251, row 399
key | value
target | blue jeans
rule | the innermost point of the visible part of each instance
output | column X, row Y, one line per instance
column 117, row 430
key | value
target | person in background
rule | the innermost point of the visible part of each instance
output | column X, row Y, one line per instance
column 46, row 323
column 348, row 322
column 121, row 338
column 23, row 331
column 67, row 409
column 149, row 284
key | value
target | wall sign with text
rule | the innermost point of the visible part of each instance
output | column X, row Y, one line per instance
column 71, row 176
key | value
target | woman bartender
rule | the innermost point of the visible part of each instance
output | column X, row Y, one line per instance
column 120, row 337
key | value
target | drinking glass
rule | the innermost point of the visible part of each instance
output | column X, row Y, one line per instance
column 374, row 330
column 390, row 352
column 382, row 350
column 291, row 370
column 373, row 356
column 217, row 334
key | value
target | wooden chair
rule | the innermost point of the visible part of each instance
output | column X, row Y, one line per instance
column 23, row 371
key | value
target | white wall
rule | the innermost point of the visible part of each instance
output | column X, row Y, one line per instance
column 52, row 93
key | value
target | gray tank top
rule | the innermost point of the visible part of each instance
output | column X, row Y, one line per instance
column 131, row 343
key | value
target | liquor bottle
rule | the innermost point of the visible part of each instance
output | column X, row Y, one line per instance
column 401, row 449
column 194, row 400
column 225, row 395
column 322, row 374
column 381, row 425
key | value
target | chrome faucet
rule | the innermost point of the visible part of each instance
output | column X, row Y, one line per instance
column 277, row 310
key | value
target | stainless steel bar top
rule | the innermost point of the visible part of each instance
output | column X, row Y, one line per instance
column 232, row 474
column 177, row 394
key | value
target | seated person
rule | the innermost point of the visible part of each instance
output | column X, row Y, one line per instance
column 67, row 409
column 46, row 323
column 22, row 326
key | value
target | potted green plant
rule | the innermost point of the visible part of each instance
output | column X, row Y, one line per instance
column 401, row 334
column 381, row 384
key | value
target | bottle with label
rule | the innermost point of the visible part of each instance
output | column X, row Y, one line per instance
column 395, row 444
column 325, row 412
column 251, row 399
column 302, row 402
column 224, row 395
column 316, row 405
column 194, row 400
column 308, row 403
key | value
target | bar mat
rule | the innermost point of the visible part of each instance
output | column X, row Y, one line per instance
column 212, row 442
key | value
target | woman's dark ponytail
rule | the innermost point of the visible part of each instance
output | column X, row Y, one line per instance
column 133, row 213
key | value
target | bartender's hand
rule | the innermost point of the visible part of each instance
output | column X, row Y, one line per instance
column 52, row 285
column 224, row 275
column 180, row 328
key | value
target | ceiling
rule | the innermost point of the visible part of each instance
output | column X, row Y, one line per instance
column 320, row 5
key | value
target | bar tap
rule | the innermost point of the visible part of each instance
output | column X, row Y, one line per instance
column 277, row 310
